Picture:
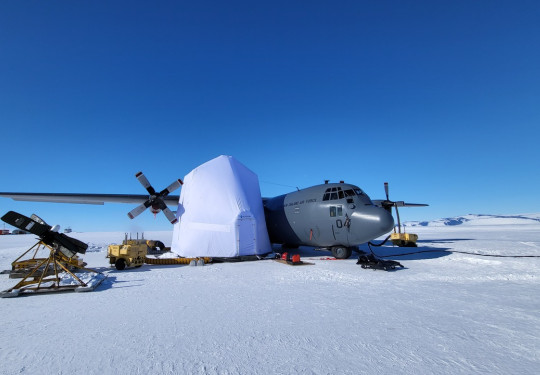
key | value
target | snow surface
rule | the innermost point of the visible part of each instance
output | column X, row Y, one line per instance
column 444, row 313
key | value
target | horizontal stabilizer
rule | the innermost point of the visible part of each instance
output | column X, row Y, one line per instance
column 67, row 245
column 25, row 223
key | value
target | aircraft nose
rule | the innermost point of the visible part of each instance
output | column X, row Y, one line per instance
column 370, row 222
column 386, row 221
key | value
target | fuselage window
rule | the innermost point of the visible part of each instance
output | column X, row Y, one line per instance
column 332, row 211
column 336, row 211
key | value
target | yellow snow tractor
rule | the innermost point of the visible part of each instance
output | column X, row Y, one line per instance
column 131, row 253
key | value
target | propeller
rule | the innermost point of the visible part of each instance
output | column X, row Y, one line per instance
column 388, row 204
column 155, row 200
column 48, row 235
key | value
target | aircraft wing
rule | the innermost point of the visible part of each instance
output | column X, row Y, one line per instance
column 85, row 198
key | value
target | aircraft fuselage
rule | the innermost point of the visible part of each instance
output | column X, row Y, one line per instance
column 327, row 215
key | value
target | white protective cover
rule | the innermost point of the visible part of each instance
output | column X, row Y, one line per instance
column 220, row 212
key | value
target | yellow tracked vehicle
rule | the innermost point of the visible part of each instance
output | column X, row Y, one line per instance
column 131, row 253
column 404, row 239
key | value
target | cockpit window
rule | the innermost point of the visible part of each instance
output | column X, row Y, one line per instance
column 359, row 192
column 349, row 193
column 338, row 193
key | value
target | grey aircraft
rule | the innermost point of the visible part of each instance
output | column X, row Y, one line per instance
column 331, row 216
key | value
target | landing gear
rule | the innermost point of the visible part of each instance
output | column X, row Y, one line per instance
column 341, row 252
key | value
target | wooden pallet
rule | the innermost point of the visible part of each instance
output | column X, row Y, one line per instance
column 30, row 290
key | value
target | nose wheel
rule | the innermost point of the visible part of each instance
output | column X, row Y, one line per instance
column 341, row 252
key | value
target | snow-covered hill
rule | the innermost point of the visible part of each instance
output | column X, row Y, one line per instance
column 478, row 219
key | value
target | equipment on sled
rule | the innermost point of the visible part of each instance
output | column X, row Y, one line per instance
column 43, row 275
column 371, row 261
column 292, row 260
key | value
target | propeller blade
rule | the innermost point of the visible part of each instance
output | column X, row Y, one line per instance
column 386, row 190
column 156, row 200
column 172, row 187
column 404, row 204
column 386, row 204
column 138, row 210
column 25, row 223
column 170, row 216
column 71, row 244
column 145, row 183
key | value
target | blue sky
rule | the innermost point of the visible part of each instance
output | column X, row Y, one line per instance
column 440, row 99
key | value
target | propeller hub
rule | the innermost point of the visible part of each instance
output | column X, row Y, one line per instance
column 155, row 199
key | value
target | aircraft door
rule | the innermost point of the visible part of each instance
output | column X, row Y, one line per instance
column 246, row 235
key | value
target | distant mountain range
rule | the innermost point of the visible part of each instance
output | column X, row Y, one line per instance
column 473, row 219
